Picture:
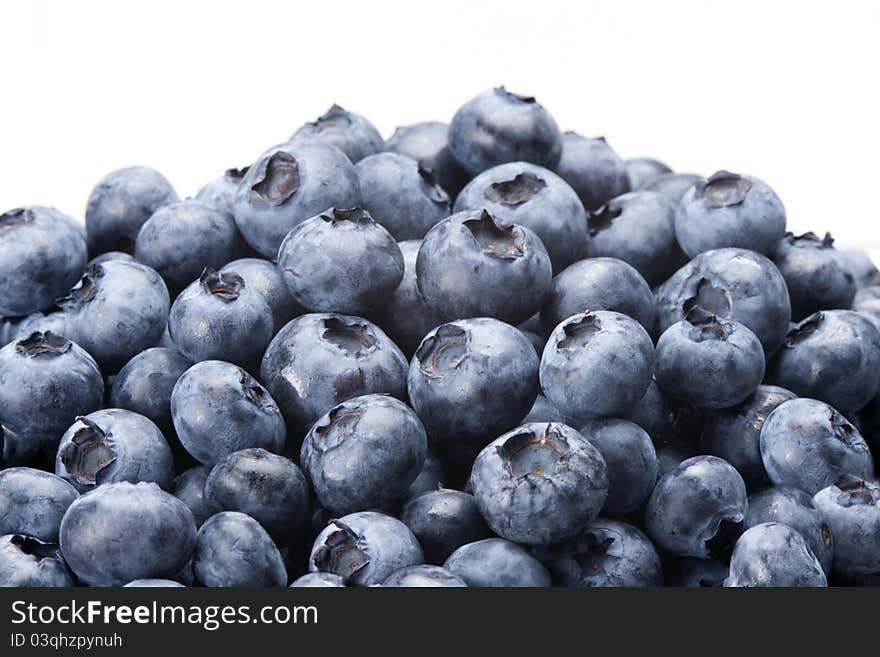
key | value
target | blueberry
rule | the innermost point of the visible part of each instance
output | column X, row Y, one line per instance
column 697, row 508
column 233, row 550
column 807, row 444
column 349, row 132
column 729, row 210
column 423, row 576
column 120, row 532
column 733, row 434
column 540, row 484
column 598, row 284
column 320, row 360
column 631, row 461
column 642, row 170
column 405, row 315
column 652, row 413
column 42, row 253
column 401, row 195
column 428, row 144
column 365, row 548
column 597, row 364
column 263, row 276
column 794, row 508
column 117, row 310
column 816, row 276
column 218, row 317
column 220, row 192
column 120, row 204
column 639, row 229
column 364, row 452
column 472, row 378
column 475, row 265
column 498, row 127
column 153, row 584
column 859, row 264
column 269, row 488
column 851, row 507
column 692, row 572
column 33, row 503
column 340, row 261
column 46, row 381
column 287, row 185
column 430, row 477
column 672, row 185
column 543, row 411
column 189, row 488
column 318, row 581
column 443, row 520
column 609, row 553
column 218, row 408
column 536, row 198
column 30, row 562
column 496, row 562
column 183, row 238
column 732, row 284
column 833, row 355
column 113, row 445
column 592, row 168
column 774, row 554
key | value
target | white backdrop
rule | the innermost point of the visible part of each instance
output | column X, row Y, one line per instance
column 782, row 90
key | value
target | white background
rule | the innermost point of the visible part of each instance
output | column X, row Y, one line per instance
column 787, row 91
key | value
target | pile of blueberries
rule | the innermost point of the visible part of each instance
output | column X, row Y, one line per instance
column 486, row 353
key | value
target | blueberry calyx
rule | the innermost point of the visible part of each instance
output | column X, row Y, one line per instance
column 602, row 218
column 518, row 97
column 357, row 216
column 84, row 291
column 521, row 189
column 433, row 190
column 443, row 351
column 843, row 430
column 334, row 116
column 279, row 181
column 34, row 547
column 726, row 533
column 341, row 552
column 804, row 329
column 87, row 453
column 352, row 337
column 236, row 175
column 254, row 392
column 712, row 300
column 528, row 454
column 505, row 243
column 810, row 240
column 724, row 189
column 340, row 420
column 226, row 286
column 706, row 326
column 854, row 492
column 591, row 551
column 43, row 344
column 16, row 217
column 579, row 331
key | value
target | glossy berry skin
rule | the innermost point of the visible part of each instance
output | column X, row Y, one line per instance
column 597, row 364
column 263, row 276
column 859, row 264
column 183, row 238
column 833, row 355
column 472, row 378
column 609, row 553
column 536, row 198
column 642, row 170
column 735, row 284
column 816, row 276
column 218, row 408
column 734, row 433
column 475, row 265
column 42, row 253
column 349, row 132
column 773, row 554
column 121, row 203
column 592, row 168
column 318, row 581
column 424, row 576
column 113, row 445
column 405, row 315
column 339, row 356
column 428, row 144
column 365, row 548
column 288, row 184
column 851, row 507
column 598, row 284
column 153, row 584
column 496, row 562
column 233, row 550
column 46, row 381
column 364, row 452
column 807, row 444
column 401, row 195
column 499, row 126
column 117, row 310
column 340, row 261
column 691, row 572
column 539, row 484
column 443, row 520
column 638, row 228
column 30, row 562
column 672, row 185
column 631, row 461
column 121, row 532
column 218, row 317
column 269, row 488
column 696, row 508
column 189, row 488
column 33, row 503
column 708, row 362
column 220, row 192
column 795, row 508
column 729, row 210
